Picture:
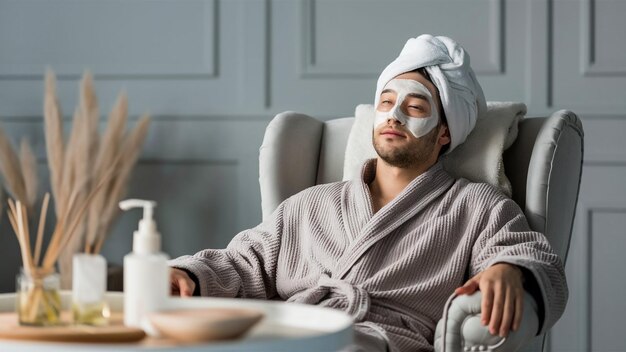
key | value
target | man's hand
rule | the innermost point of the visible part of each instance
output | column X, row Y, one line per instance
column 503, row 296
column 181, row 283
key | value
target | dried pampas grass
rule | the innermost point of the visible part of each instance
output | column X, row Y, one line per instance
column 132, row 145
column 11, row 169
column 112, row 142
column 55, row 145
column 28, row 163
column 89, row 175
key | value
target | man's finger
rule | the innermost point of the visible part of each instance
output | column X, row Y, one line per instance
column 507, row 314
column 470, row 287
column 519, row 309
column 174, row 290
column 185, row 287
column 486, row 303
column 496, row 309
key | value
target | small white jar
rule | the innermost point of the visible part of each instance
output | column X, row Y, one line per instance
column 88, row 287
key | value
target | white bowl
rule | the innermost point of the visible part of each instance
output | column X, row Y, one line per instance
column 197, row 325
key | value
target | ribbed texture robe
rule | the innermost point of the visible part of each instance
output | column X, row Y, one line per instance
column 392, row 270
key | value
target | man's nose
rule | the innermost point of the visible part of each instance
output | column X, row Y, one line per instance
column 395, row 116
column 391, row 119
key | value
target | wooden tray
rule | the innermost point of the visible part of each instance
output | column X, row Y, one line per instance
column 116, row 332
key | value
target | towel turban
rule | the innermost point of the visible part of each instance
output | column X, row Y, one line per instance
column 448, row 65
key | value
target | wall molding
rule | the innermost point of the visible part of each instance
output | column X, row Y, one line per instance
column 36, row 119
column 210, row 70
column 589, row 66
column 616, row 156
column 538, row 80
column 588, row 210
column 267, row 36
column 310, row 69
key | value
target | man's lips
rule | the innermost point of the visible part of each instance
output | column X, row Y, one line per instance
column 392, row 133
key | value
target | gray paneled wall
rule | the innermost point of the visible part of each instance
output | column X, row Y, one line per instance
column 213, row 73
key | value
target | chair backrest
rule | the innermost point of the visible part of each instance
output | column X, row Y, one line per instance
column 544, row 165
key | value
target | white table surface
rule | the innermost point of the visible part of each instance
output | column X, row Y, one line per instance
column 285, row 327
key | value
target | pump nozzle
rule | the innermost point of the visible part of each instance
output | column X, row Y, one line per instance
column 146, row 238
column 148, row 206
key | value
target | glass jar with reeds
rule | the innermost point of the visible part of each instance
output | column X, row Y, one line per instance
column 38, row 301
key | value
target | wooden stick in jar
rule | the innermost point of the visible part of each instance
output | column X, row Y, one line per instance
column 42, row 224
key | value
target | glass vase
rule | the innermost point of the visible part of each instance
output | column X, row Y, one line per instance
column 38, row 300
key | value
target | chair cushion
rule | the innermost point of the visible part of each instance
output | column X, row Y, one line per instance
column 334, row 138
column 479, row 159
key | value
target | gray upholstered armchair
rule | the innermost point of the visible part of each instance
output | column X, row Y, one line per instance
column 544, row 166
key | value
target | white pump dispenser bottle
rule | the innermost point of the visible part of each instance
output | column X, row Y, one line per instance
column 146, row 273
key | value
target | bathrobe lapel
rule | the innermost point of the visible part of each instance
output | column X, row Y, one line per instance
column 365, row 228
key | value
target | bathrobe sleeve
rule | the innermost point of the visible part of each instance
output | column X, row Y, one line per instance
column 507, row 238
column 246, row 268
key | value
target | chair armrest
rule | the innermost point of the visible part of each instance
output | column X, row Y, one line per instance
column 466, row 333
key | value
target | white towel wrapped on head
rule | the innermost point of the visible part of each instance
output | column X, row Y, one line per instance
column 448, row 65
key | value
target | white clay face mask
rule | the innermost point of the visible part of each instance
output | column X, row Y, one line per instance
column 419, row 126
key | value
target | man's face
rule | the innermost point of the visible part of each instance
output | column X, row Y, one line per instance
column 407, row 130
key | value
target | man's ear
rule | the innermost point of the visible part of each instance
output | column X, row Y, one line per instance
column 444, row 135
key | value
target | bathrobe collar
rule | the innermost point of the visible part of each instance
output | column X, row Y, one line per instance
column 366, row 228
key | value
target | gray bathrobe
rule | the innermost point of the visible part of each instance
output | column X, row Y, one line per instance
column 393, row 270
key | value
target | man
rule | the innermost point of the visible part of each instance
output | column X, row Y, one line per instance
column 391, row 246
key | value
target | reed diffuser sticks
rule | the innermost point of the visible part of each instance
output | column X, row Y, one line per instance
column 35, row 306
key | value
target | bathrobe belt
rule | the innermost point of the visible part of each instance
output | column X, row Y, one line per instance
column 354, row 298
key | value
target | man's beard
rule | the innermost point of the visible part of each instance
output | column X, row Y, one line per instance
column 416, row 153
